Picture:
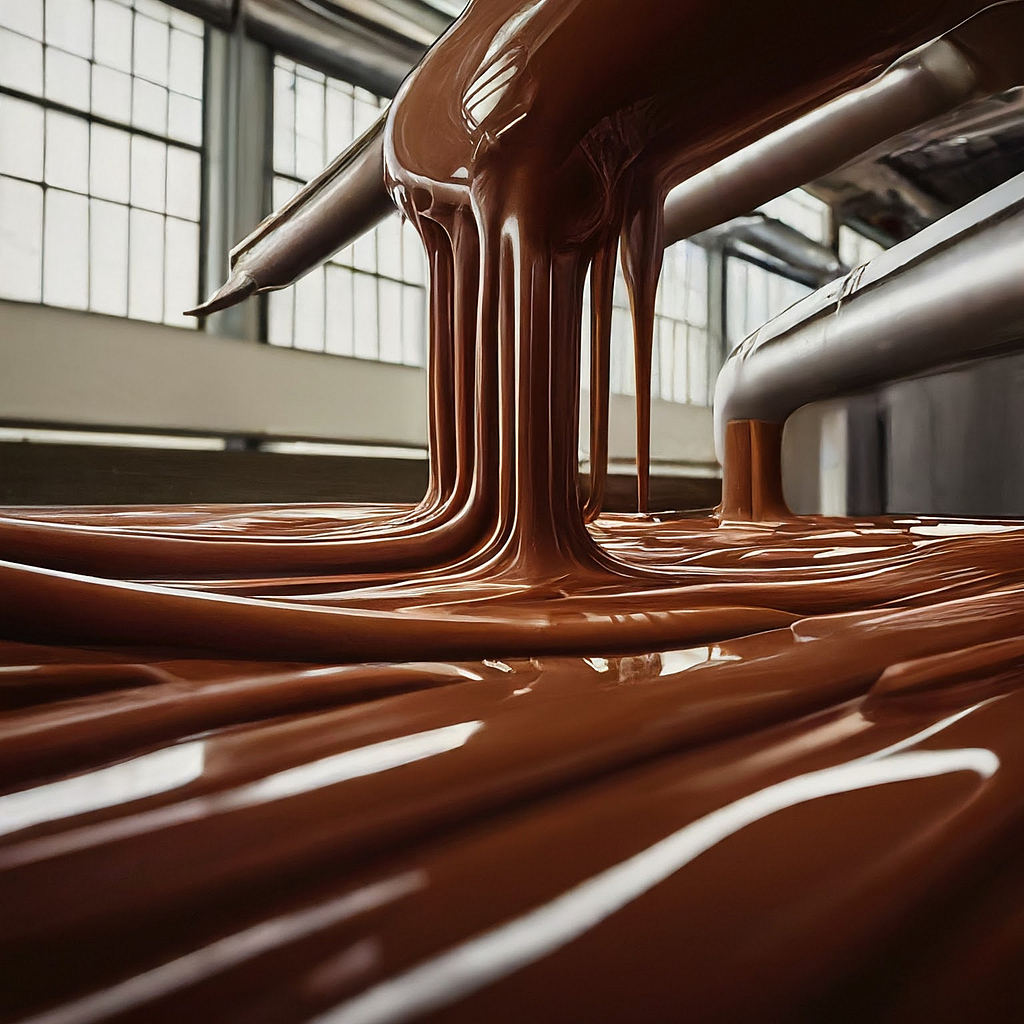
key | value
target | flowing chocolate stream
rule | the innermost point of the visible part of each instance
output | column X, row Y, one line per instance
column 498, row 757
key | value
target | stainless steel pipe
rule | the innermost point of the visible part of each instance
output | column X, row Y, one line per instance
column 952, row 293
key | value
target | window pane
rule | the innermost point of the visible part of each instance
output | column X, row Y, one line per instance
column 154, row 9
column 390, row 321
column 185, row 119
column 680, row 355
column 146, row 265
column 21, row 63
column 340, row 305
column 366, row 111
column 181, row 287
column 414, row 325
column 339, row 119
column 69, row 25
column 364, row 252
column 389, row 247
column 21, row 240
column 309, row 128
column 109, row 163
column 66, row 250
column 149, row 173
column 108, row 258
column 802, row 211
column 183, row 183
column 284, row 121
column 666, row 353
column 113, row 35
column 111, row 94
column 24, row 16
column 281, row 317
column 697, row 343
column 283, row 190
column 67, row 79
column 186, row 63
column 187, row 23
column 149, row 106
column 309, row 312
column 152, row 49
column 855, row 249
column 365, row 316
column 67, row 151
column 621, row 364
column 414, row 259
column 21, row 138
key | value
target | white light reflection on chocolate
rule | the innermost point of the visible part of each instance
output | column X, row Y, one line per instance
column 228, row 952
column 493, row 955
column 354, row 764
column 153, row 773
column 291, row 782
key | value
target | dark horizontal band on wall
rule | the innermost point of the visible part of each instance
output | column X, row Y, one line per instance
column 64, row 474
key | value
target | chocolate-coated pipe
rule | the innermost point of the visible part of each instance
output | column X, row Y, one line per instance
column 349, row 198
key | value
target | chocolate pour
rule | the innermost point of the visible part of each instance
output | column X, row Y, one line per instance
column 325, row 678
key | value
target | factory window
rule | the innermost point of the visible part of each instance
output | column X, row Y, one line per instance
column 753, row 297
column 100, row 156
column 680, row 370
column 800, row 210
column 855, row 249
column 370, row 299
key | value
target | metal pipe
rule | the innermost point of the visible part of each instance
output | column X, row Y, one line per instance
column 342, row 202
column 328, row 38
column 926, row 83
column 952, row 293
column 805, row 260
column 922, row 85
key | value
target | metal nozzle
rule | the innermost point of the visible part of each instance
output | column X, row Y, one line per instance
column 238, row 287
column 345, row 200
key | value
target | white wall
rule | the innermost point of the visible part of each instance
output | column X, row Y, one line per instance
column 81, row 370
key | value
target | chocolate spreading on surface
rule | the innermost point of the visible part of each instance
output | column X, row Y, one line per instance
column 498, row 757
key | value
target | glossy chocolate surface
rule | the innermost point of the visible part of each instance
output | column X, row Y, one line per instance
column 478, row 760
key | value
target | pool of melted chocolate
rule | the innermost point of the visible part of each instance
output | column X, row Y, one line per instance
column 497, row 756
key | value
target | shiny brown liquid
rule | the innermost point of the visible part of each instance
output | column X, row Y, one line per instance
column 478, row 760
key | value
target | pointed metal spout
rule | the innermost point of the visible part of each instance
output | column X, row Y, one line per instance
column 345, row 200
column 238, row 287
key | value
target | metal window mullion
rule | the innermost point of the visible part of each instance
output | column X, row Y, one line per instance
column 717, row 326
column 92, row 118
column 237, row 91
column 43, row 183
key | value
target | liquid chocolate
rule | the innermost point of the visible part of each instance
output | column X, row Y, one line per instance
column 499, row 756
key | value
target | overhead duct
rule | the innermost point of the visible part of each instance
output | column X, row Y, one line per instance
column 777, row 247
column 217, row 12
column 371, row 43
column 323, row 37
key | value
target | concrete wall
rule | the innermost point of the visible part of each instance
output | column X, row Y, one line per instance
column 82, row 370
column 946, row 444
